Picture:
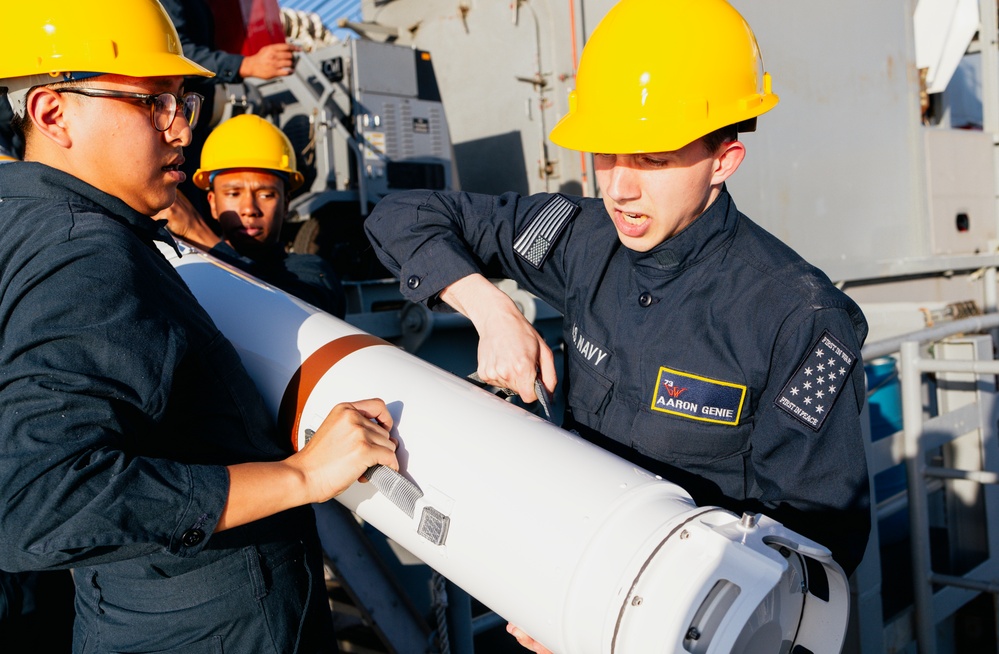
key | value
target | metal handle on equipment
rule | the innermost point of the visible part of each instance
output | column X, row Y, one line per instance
column 399, row 490
column 404, row 494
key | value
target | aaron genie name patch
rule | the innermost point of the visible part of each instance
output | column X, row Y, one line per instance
column 809, row 395
column 698, row 398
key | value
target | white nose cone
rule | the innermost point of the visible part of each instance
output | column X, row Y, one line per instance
column 742, row 586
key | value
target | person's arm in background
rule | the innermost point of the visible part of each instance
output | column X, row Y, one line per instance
column 196, row 26
column 272, row 60
column 184, row 222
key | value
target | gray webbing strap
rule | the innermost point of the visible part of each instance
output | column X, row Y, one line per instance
column 544, row 397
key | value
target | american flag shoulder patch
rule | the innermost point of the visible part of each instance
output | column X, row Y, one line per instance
column 541, row 232
column 809, row 395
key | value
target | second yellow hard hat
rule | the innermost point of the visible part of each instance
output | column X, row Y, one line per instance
column 247, row 141
column 659, row 74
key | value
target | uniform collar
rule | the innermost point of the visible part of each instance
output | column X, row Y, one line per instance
column 707, row 233
column 36, row 180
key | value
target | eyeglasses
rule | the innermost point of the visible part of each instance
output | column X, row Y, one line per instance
column 162, row 106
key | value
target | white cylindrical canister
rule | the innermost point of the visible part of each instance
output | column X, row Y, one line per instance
column 581, row 549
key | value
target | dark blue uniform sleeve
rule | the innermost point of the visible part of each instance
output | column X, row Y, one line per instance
column 196, row 27
column 430, row 240
column 317, row 283
column 308, row 277
column 813, row 477
column 85, row 373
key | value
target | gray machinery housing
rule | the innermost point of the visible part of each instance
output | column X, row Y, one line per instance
column 365, row 119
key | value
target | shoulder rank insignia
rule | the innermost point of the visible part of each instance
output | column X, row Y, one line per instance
column 809, row 395
column 542, row 231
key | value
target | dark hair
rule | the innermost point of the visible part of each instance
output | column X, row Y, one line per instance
column 717, row 138
column 19, row 123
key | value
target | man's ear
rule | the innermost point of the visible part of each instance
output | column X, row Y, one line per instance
column 727, row 161
column 46, row 109
column 211, row 203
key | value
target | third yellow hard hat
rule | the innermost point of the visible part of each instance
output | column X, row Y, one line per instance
column 123, row 37
column 659, row 74
column 247, row 141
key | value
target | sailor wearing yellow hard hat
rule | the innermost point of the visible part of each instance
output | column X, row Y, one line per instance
column 692, row 337
column 249, row 169
column 134, row 447
column 62, row 53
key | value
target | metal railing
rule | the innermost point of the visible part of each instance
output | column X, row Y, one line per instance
column 937, row 596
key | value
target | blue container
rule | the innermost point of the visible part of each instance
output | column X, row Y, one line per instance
column 884, row 397
column 884, row 401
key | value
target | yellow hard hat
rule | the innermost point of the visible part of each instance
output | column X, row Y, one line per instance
column 247, row 141
column 659, row 74
column 121, row 37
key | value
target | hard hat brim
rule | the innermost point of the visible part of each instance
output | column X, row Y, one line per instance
column 595, row 133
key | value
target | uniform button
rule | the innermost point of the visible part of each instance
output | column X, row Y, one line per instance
column 413, row 282
column 192, row 537
column 645, row 299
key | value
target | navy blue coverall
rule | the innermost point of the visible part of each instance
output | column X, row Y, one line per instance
column 306, row 276
column 720, row 359
column 122, row 403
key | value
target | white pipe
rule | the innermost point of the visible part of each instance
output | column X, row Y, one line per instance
column 581, row 549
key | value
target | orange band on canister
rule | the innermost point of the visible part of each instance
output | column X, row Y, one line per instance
column 305, row 379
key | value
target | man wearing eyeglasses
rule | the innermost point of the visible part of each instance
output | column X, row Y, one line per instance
column 134, row 448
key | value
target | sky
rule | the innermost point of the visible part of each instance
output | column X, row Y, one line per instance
column 329, row 11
